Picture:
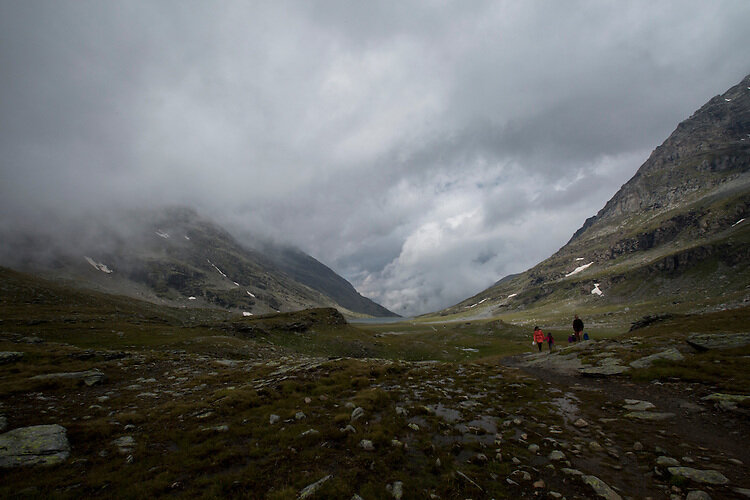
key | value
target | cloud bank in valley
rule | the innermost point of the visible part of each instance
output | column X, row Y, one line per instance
column 423, row 151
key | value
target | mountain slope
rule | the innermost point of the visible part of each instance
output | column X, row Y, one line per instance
column 309, row 271
column 674, row 234
column 173, row 256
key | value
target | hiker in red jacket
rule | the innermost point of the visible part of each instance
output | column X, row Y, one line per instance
column 538, row 337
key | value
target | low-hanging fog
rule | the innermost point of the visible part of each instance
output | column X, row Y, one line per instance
column 422, row 150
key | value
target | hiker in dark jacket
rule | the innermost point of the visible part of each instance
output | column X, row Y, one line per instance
column 577, row 327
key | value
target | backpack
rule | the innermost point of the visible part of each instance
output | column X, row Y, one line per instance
column 585, row 336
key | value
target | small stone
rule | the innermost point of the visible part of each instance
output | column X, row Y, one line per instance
column 274, row 419
column 366, row 445
column 349, row 405
column 129, row 459
column 309, row 432
column 580, row 423
column 533, row 448
column 414, row 427
column 601, row 488
column 479, row 458
column 299, row 415
column 698, row 495
column 358, row 413
column 516, row 461
column 663, row 461
column 594, row 446
column 637, row 446
column 308, row 401
column 397, row 490
column 438, row 463
column 349, row 429
column 539, row 484
column 556, row 455
column 637, row 405
column 400, row 411
column 396, row 443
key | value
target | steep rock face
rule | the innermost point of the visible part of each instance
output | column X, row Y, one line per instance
column 683, row 212
column 710, row 148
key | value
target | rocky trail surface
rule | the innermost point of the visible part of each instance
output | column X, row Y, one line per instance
column 236, row 420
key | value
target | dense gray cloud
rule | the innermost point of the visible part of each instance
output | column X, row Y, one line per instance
column 422, row 150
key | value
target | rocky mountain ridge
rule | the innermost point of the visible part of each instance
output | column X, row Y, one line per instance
column 680, row 222
column 174, row 256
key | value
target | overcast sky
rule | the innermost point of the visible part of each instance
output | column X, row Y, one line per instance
column 423, row 150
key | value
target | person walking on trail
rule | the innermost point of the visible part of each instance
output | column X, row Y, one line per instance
column 550, row 342
column 577, row 327
column 538, row 337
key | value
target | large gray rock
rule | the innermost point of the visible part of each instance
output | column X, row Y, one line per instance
column 601, row 488
column 670, row 354
column 36, row 445
column 710, row 341
column 90, row 377
column 699, row 476
column 9, row 357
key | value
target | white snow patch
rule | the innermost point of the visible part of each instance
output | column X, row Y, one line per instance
column 162, row 234
column 469, row 307
column 481, row 301
column 245, row 313
column 187, row 237
column 250, row 294
column 579, row 269
column 191, row 298
column 579, row 258
column 738, row 222
column 596, row 290
column 97, row 265
column 728, row 100
column 468, row 349
column 512, row 295
column 220, row 272
column 235, row 283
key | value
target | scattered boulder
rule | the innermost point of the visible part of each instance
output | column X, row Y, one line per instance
column 357, row 413
column 663, row 461
column 698, row 495
column 604, row 371
column 309, row 490
column 671, row 354
column 601, row 488
column 726, row 401
column 124, row 444
column 273, row 419
column 710, row 341
column 638, row 405
column 649, row 415
column 556, row 455
column 699, row 476
column 396, row 490
column 367, row 445
column 10, row 357
column 35, row 445
column 90, row 377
